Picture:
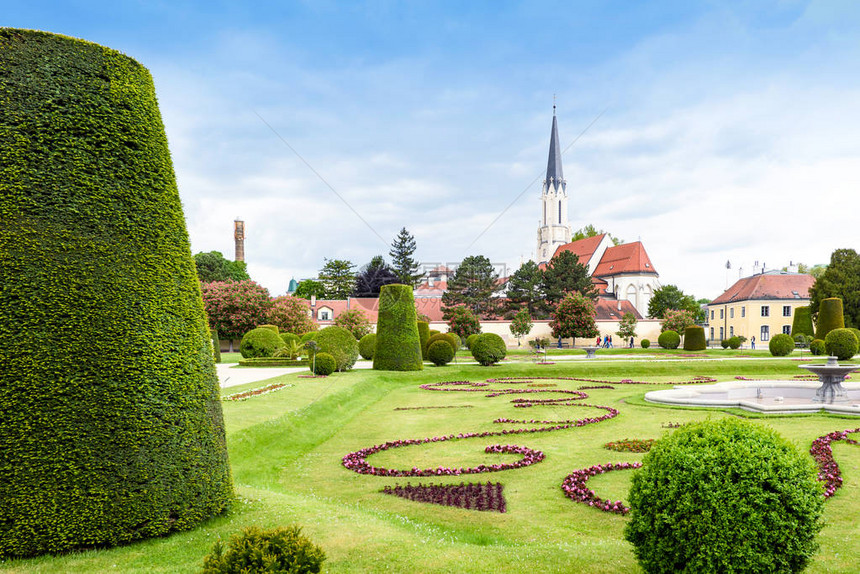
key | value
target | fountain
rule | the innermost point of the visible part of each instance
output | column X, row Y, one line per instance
column 831, row 376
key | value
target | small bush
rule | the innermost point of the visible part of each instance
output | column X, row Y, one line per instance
column 830, row 316
column 440, row 352
column 802, row 339
column 841, row 343
column 471, row 339
column 367, row 346
column 260, row 342
column 694, row 339
column 781, row 345
column 281, row 550
column 645, row 343
column 669, row 340
column 724, row 343
column 340, row 344
column 817, row 347
column 449, row 338
column 323, row 364
column 488, row 349
column 735, row 342
column 724, row 496
column 287, row 337
column 269, row 327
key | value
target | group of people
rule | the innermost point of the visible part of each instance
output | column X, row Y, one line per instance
column 606, row 342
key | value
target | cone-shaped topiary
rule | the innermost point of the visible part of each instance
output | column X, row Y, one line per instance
column 216, row 345
column 367, row 346
column 424, row 335
column 694, row 338
column 802, row 322
column 260, row 342
column 398, row 345
column 841, row 343
column 110, row 419
column 669, row 340
column 829, row 317
column 781, row 345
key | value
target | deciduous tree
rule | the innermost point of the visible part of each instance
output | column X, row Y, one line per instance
column 212, row 266
column 840, row 279
column 574, row 317
column 462, row 322
column 235, row 307
column 372, row 277
column 354, row 321
column 338, row 278
column 670, row 297
column 591, row 231
column 290, row 314
column 677, row 320
column 310, row 288
column 627, row 326
column 521, row 325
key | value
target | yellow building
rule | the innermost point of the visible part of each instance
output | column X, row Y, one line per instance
column 758, row 307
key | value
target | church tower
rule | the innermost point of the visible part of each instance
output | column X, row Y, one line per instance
column 554, row 229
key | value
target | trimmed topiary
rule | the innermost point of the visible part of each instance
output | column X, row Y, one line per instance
column 449, row 338
column 398, row 345
column 802, row 323
column 111, row 427
column 216, row 345
column 423, row 335
column 694, row 339
column 856, row 334
column 458, row 342
column 309, row 336
column 434, row 332
column 287, row 337
column 471, row 339
column 260, row 342
column 724, row 343
column 281, row 550
column 781, row 345
column 270, row 327
column 817, row 347
column 841, row 343
column 340, row 344
column 829, row 317
column 323, row 363
column 488, row 349
column 367, row 346
column 669, row 339
column 724, row 496
column 734, row 342
column 645, row 343
column 440, row 352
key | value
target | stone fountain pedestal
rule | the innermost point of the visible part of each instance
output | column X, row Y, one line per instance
column 831, row 376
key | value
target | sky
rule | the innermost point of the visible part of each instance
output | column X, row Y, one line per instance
column 712, row 131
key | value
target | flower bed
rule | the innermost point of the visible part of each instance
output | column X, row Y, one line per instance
column 574, row 486
column 433, row 407
column 480, row 496
column 244, row 395
column 630, row 445
column 828, row 470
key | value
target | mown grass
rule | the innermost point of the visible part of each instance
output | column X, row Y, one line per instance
column 286, row 450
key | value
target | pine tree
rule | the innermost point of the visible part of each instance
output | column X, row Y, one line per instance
column 402, row 263
column 565, row 275
column 338, row 278
column 474, row 284
column 526, row 291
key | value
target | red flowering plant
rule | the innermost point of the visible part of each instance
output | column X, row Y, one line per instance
column 574, row 317
column 291, row 315
column 235, row 307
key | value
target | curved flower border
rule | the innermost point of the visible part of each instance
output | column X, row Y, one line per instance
column 574, row 486
column 828, row 470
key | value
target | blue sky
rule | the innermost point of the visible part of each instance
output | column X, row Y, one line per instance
column 728, row 129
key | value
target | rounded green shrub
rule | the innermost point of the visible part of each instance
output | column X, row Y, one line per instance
column 367, row 346
column 856, row 333
column 310, row 335
column 781, row 345
column 260, row 342
column 645, row 343
column 449, row 338
column 488, row 349
column 434, row 332
column 423, row 335
column 287, row 337
column 471, row 339
column 829, row 317
column 323, row 363
column 694, row 339
column 398, row 345
column 458, row 342
column 817, row 347
column 724, row 343
column 735, row 342
column 841, row 343
column 340, row 344
column 270, row 327
column 440, row 353
column 111, row 427
column 669, row 339
column 276, row 551
column 802, row 322
column 724, row 496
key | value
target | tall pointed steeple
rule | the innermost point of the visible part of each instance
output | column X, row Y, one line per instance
column 554, row 229
column 554, row 172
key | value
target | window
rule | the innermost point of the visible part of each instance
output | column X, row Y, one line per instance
column 324, row 315
column 712, row 317
column 722, row 312
column 731, row 331
column 743, row 311
column 732, row 313
column 786, row 310
column 765, row 310
column 786, row 329
column 765, row 333
column 722, row 334
column 712, row 329
column 559, row 212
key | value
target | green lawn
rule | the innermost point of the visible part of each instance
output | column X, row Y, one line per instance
column 286, row 450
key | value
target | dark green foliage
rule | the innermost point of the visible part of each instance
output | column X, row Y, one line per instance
column 829, row 317
column 440, row 352
column 564, row 276
column 488, row 349
column 694, row 339
column 310, row 288
column 277, row 361
column 257, row 551
column 724, row 343
column 841, row 343
column 449, row 338
column 398, row 345
column 817, row 347
column 670, row 297
column 423, row 335
column 212, row 266
column 669, row 340
column 645, row 343
column 434, row 331
column 473, row 285
column 840, row 279
column 287, row 337
column 323, row 363
column 260, row 342
column 340, row 344
column 367, row 346
column 735, row 342
column 372, row 277
column 781, row 345
column 802, row 322
column 804, row 340
column 405, row 268
column 856, row 333
column 471, row 339
column 216, row 345
column 110, row 420
column 526, row 291
column 724, row 496
column 338, row 278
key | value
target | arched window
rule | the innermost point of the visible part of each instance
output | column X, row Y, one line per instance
column 559, row 212
column 544, row 213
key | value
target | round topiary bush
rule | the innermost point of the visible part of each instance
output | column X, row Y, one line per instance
column 471, row 339
column 694, row 339
column 398, row 345
column 830, row 316
column 323, row 363
column 440, row 353
column 841, row 343
column 488, row 349
column 260, row 342
column 669, row 340
column 817, row 347
column 340, row 344
column 449, row 338
column 781, row 345
column 724, row 343
column 853, row 330
column 110, row 418
column 281, row 550
column 423, row 335
column 458, row 342
column 287, row 337
column 734, row 342
column 724, row 496
column 367, row 346
column 645, row 343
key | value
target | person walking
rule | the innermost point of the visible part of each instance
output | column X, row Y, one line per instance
column 752, row 342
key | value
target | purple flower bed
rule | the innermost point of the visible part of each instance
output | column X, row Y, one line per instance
column 480, row 496
column 630, row 445
column 434, row 407
column 574, row 486
column 828, row 469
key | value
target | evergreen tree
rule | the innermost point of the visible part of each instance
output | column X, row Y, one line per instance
column 474, row 284
column 840, row 279
column 402, row 263
column 526, row 291
column 338, row 278
column 564, row 275
column 372, row 277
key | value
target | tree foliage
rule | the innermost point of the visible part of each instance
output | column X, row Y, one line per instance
column 291, row 315
column 372, row 277
column 627, row 326
column 677, row 320
column 235, row 307
column 670, row 297
column 474, row 284
column 840, row 279
column 402, row 263
column 526, row 291
column 310, row 288
column 354, row 321
column 462, row 322
column 338, row 278
column 565, row 275
column 574, row 317
column 212, row 266
column 591, row 231
column 521, row 324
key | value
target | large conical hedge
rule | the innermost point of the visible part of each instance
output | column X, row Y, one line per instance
column 110, row 421
column 830, row 317
column 802, row 323
column 398, row 345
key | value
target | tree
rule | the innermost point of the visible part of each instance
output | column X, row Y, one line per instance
column 372, row 277
column 817, row 270
column 521, row 325
column 338, row 278
column 840, row 279
column 627, row 326
column 212, row 266
column 462, row 322
column 677, row 320
column 474, row 284
column 290, row 314
column 670, row 297
column 526, row 291
column 574, row 317
column 235, row 307
column 310, row 288
column 354, row 321
column 590, row 231
column 402, row 263
column 564, row 275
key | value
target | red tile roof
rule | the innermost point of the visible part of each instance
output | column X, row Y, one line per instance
column 607, row 310
column 772, row 285
column 624, row 258
column 582, row 248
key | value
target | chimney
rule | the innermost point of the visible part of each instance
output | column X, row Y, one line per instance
column 313, row 300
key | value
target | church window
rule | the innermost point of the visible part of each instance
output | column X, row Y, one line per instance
column 544, row 213
column 559, row 212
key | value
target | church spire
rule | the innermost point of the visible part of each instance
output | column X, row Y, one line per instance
column 554, row 175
